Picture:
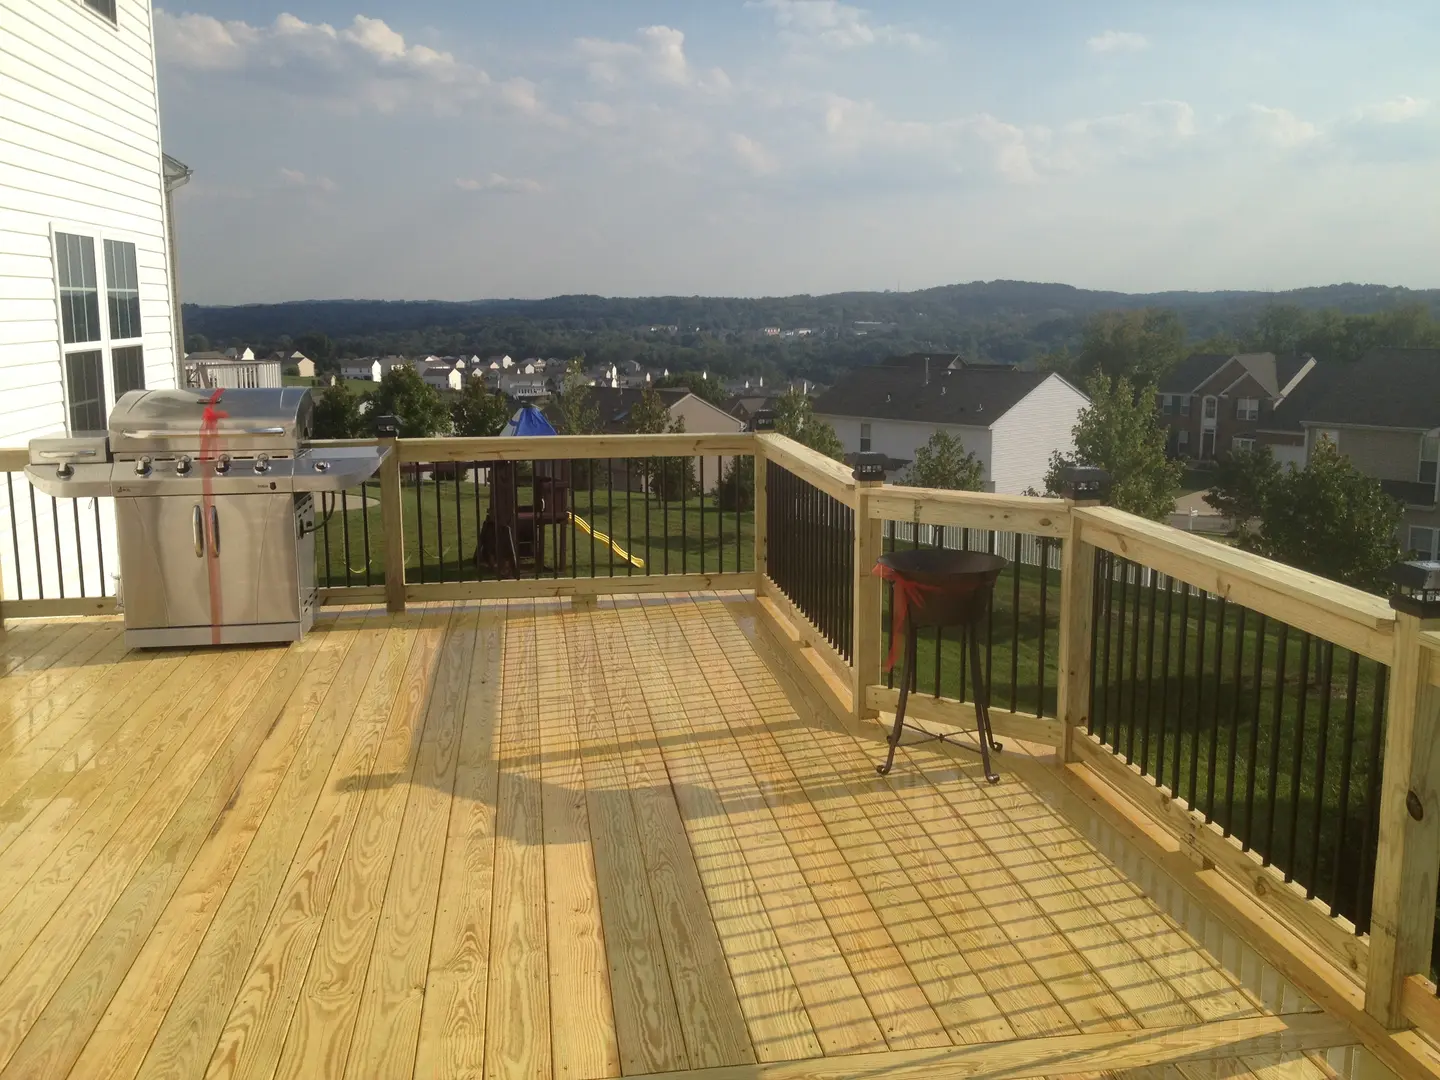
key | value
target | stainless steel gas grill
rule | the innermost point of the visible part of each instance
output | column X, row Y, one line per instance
column 214, row 509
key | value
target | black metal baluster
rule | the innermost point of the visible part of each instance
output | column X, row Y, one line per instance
column 1102, row 698
column 1101, row 558
column 1199, row 699
column 1234, row 746
column 325, row 538
column 1254, row 754
column 35, row 528
column 1365, row 880
column 79, row 544
column 99, row 545
column 1140, row 573
column 1347, row 756
column 1120, row 626
column 1015, row 632
column 1164, row 683
column 719, row 501
column 1297, row 761
column 59, row 562
column 479, row 524
column 1326, row 661
column 420, row 522
column 440, row 523
column 15, row 534
column 1145, row 769
column 1277, row 722
column 365, row 527
column 645, row 495
column 1213, row 763
column 345, row 532
column 1184, row 645
column 459, row 529
column 590, row 509
column 1040, row 662
column 739, row 547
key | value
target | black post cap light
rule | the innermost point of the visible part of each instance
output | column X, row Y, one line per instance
column 1085, row 484
column 387, row 427
column 869, row 466
column 763, row 420
column 1417, row 588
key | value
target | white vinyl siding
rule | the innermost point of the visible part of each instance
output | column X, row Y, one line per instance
column 1040, row 424
column 899, row 439
column 79, row 155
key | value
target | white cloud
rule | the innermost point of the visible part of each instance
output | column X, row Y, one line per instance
column 1118, row 41
column 1275, row 127
column 752, row 154
column 1396, row 111
column 597, row 113
column 367, row 63
column 294, row 178
column 657, row 55
column 961, row 145
column 495, row 184
column 835, row 25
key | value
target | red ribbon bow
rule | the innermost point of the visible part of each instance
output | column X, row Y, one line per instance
column 907, row 592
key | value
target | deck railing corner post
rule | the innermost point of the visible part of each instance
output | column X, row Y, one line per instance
column 1407, row 857
column 393, row 523
column 1077, row 634
column 868, row 600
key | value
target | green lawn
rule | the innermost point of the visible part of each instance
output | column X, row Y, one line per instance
column 443, row 520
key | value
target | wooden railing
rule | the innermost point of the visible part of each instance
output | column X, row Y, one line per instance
column 1310, row 712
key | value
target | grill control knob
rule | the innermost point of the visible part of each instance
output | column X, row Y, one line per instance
column 182, row 464
column 65, row 470
column 142, row 466
column 222, row 464
column 262, row 463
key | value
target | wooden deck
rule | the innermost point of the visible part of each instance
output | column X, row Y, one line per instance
column 536, row 840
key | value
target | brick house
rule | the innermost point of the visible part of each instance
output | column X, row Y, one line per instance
column 1213, row 403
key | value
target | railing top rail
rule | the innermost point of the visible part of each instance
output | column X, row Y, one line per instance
column 558, row 447
column 1349, row 617
column 827, row 474
column 972, row 509
column 14, row 458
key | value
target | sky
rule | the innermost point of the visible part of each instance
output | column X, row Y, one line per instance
column 440, row 149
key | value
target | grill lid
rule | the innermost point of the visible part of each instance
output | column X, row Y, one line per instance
column 276, row 420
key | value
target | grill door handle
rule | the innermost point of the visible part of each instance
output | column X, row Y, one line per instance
column 214, row 532
column 197, row 527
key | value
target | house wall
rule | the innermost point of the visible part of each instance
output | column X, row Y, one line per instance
column 1022, row 440
column 901, row 438
column 703, row 418
column 1227, row 424
column 1385, row 454
column 79, row 152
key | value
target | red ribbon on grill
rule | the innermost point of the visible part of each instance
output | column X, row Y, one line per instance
column 907, row 592
column 209, row 443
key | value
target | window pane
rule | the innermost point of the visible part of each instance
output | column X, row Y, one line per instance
column 104, row 7
column 122, row 282
column 79, row 296
column 1427, row 472
column 85, row 387
column 127, row 369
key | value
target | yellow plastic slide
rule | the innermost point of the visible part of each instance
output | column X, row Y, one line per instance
column 584, row 526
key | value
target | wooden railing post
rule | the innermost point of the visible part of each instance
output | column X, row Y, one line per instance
column 1077, row 635
column 393, row 519
column 762, row 520
column 1407, row 859
column 865, row 629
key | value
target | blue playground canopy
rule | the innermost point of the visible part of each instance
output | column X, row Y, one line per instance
column 529, row 420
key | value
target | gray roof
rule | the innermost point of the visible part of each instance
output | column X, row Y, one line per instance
column 1272, row 372
column 955, row 392
column 614, row 403
column 1189, row 373
column 1387, row 387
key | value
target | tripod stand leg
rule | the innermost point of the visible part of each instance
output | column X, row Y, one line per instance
column 907, row 672
column 984, row 735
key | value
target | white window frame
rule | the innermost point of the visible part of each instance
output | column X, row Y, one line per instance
column 1210, row 410
column 1247, row 408
column 1183, row 441
column 1429, row 550
column 866, row 438
column 1433, row 445
column 1242, row 442
column 105, row 344
column 1167, row 404
column 1184, row 404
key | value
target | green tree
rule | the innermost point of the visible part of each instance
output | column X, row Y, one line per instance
column 318, row 347
column 574, row 408
column 1140, row 345
column 648, row 416
column 1332, row 520
column 1242, row 485
column 417, row 405
column 795, row 419
column 670, row 478
column 338, row 415
column 475, row 411
column 735, row 490
column 197, row 343
column 943, row 463
column 1120, row 433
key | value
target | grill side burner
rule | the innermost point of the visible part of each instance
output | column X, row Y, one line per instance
column 214, row 509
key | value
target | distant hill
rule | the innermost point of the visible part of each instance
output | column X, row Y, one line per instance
column 1011, row 321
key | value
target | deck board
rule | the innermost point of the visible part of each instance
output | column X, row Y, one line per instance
column 536, row 839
